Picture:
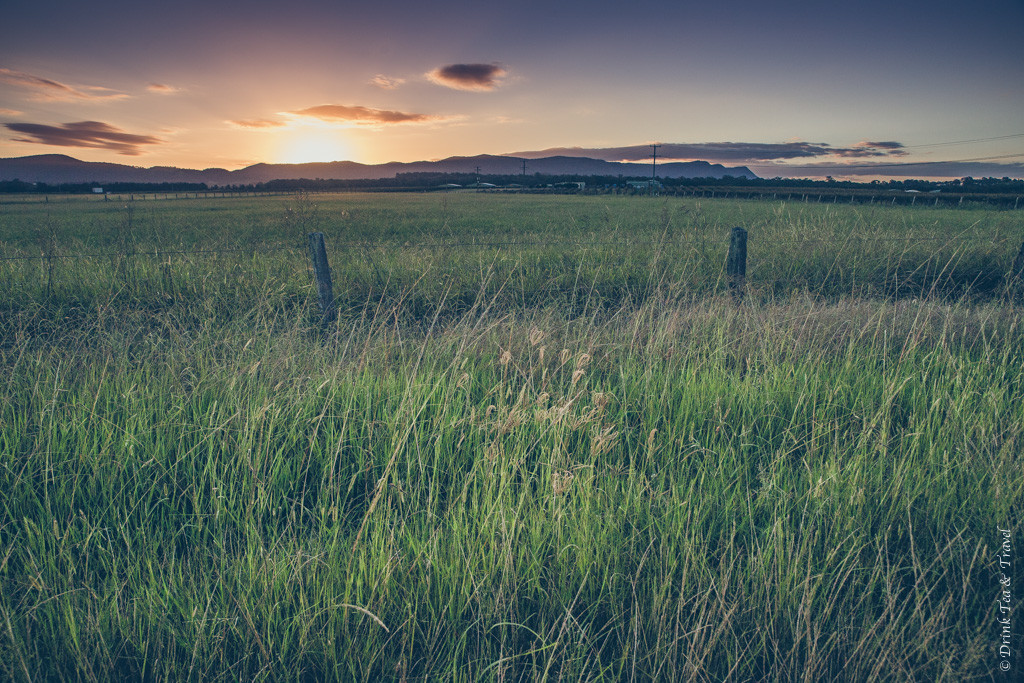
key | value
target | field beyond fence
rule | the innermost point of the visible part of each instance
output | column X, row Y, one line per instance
column 614, row 248
column 540, row 437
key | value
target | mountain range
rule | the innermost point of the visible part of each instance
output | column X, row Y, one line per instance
column 58, row 168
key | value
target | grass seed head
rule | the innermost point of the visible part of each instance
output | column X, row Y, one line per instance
column 604, row 440
column 561, row 481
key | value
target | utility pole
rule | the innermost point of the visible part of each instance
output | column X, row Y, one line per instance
column 654, row 164
column 524, row 168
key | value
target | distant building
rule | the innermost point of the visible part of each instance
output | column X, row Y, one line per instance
column 97, row 190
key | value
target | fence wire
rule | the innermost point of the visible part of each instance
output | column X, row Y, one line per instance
column 485, row 245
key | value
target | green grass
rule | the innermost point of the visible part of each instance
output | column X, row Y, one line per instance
column 551, row 461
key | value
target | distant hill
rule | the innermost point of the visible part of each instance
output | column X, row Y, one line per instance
column 58, row 168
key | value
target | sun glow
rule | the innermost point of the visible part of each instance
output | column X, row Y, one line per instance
column 310, row 144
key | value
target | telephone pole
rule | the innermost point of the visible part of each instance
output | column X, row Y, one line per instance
column 524, row 168
column 654, row 164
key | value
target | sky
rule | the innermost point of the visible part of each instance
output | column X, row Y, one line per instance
column 860, row 90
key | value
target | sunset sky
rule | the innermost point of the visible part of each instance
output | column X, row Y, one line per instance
column 787, row 88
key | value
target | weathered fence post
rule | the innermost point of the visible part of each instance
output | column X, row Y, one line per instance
column 322, row 273
column 736, row 263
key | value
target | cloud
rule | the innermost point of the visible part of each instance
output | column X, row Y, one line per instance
column 47, row 90
column 725, row 151
column 924, row 169
column 92, row 134
column 891, row 144
column 386, row 82
column 10, row 112
column 256, row 124
column 162, row 89
column 339, row 113
column 872, row 149
column 473, row 77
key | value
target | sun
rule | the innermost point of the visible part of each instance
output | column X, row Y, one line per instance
column 309, row 145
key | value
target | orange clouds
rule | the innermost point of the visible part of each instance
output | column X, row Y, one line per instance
column 256, row 124
column 339, row 113
column 162, row 89
column 386, row 82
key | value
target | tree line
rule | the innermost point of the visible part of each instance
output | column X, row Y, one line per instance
column 431, row 181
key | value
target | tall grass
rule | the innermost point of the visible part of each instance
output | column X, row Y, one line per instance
column 610, row 249
column 463, row 482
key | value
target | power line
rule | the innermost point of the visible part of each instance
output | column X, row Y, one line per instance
column 926, row 163
column 965, row 142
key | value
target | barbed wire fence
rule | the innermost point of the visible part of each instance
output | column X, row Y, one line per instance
column 736, row 268
column 474, row 244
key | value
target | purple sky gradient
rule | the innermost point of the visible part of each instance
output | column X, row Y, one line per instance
column 241, row 82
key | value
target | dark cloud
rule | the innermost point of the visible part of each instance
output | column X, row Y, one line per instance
column 891, row 144
column 477, row 77
column 54, row 91
column 811, row 159
column 927, row 169
column 362, row 115
column 725, row 151
column 93, row 134
column 872, row 149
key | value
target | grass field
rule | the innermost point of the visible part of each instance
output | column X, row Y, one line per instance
column 540, row 442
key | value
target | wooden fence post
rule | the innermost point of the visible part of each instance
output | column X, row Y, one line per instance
column 736, row 263
column 322, row 273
